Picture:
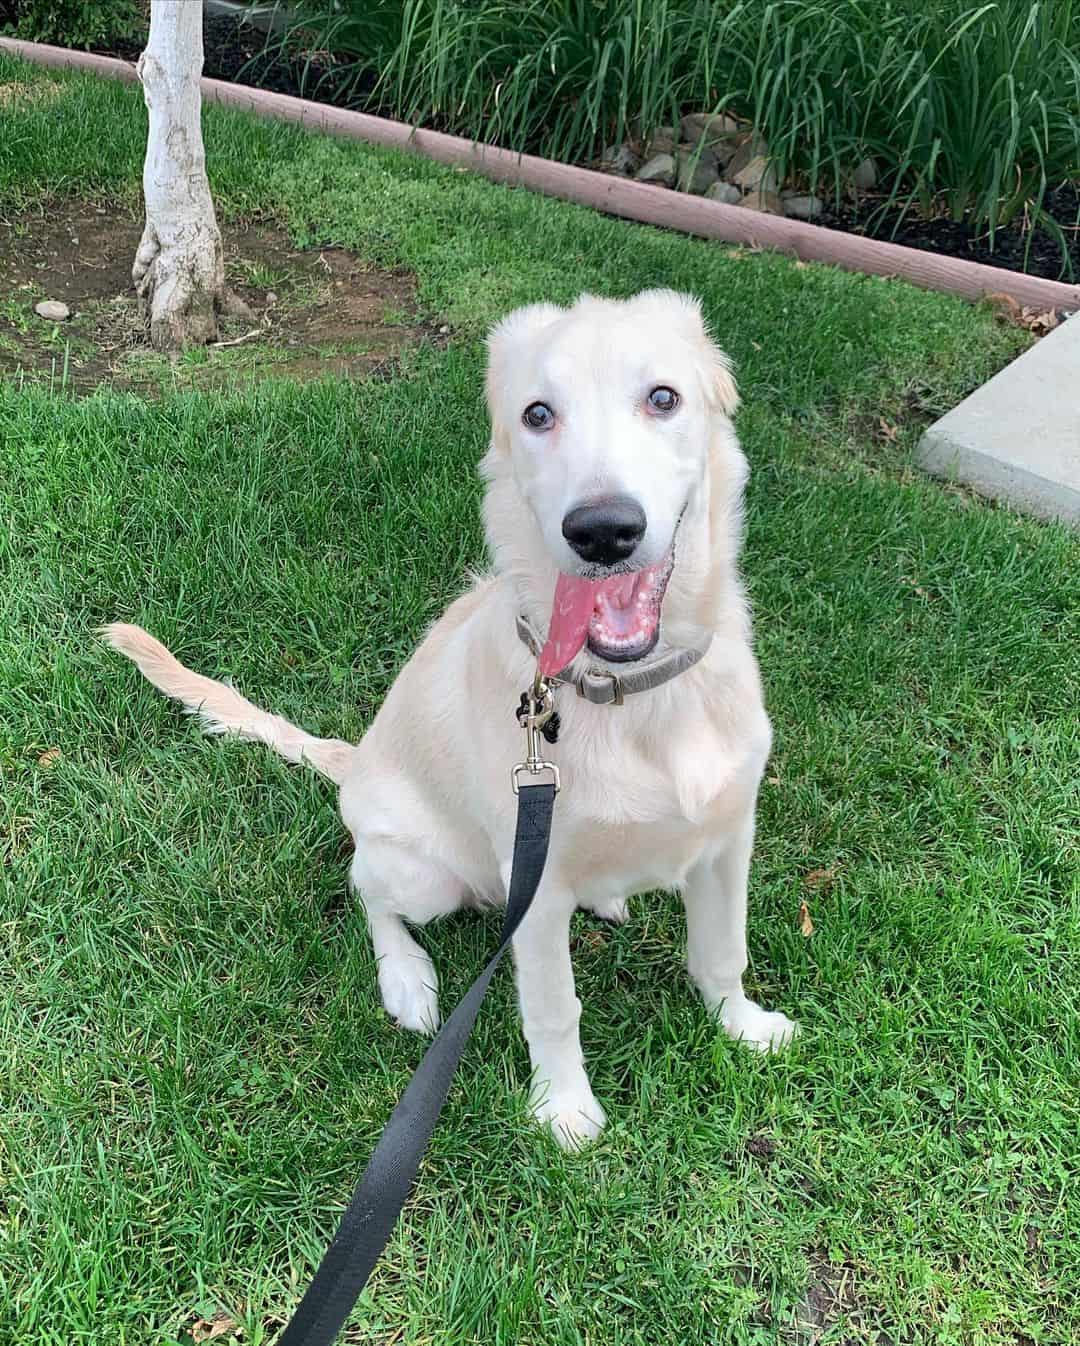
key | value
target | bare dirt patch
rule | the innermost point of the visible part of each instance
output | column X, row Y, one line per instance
column 316, row 313
column 834, row 1301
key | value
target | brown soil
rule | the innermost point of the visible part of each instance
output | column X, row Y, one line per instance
column 833, row 1297
column 315, row 313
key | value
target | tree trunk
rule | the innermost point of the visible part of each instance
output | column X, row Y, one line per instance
column 179, row 269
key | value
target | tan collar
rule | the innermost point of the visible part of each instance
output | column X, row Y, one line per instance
column 604, row 687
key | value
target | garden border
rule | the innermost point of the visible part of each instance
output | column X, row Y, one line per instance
column 638, row 201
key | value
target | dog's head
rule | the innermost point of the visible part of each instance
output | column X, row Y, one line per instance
column 607, row 422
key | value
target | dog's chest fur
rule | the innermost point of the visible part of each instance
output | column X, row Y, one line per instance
column 656, row 782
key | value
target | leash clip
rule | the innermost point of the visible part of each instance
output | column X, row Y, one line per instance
column 538, row 706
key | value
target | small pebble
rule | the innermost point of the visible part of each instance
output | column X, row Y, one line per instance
column 52, row 310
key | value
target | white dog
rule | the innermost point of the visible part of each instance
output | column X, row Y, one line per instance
column 613, row 514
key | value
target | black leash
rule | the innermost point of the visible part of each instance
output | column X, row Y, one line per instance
column 380, row 1194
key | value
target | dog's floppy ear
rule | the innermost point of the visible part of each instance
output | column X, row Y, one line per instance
column 504, row 345
column 685, row 311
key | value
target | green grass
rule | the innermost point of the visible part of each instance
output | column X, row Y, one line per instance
column 193, row 1062
column 970, row 106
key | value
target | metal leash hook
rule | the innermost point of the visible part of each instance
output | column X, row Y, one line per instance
column 537, row 707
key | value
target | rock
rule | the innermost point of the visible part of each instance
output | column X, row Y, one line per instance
column 803, row 207
column 709, row 127
column 768, row 203
column 757, row 174
column 52, row 310
column 751, row 146
column 696, row 170
column 865, row 175
column 726, row 193
column 621, row 159
column 661, row 141
column 660, row 169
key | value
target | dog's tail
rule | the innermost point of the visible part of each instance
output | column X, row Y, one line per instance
column 221, row 710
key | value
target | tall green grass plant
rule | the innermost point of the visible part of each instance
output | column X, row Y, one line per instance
column 967, row 108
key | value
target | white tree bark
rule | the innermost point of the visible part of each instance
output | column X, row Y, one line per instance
column 179, row 269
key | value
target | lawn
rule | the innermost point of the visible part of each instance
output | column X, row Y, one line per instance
column 195, row 1064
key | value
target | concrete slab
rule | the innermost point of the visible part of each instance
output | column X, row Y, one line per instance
column 1017, row 438
column 269, row 18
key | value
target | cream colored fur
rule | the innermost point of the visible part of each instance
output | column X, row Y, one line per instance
column 657, row 793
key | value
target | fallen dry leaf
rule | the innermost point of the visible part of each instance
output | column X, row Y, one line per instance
column 806, row 925
column 207, row 1329
column 1037, row 321
column 49, row 758
column 887, row 430
column 819, row 878
column 773, row 780
column 1041, row 323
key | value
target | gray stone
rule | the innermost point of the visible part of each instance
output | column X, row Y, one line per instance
column 752, row 146
column 52, row 310
column 768, row 203
column 696, row 170
column 661, row 141
column 1017, row 438
column 803, row 207
column 709, row 127
column 726, row 193
column 865, row 175
column 757, row 174
column 660, row 169
column 621, row 159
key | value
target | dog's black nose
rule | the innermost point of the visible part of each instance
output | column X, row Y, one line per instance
column 605, row 530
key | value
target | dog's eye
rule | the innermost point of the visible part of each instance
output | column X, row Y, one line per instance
column 538, row 416
column 663, row 399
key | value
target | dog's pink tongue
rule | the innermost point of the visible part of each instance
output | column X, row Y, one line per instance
column 571, row 612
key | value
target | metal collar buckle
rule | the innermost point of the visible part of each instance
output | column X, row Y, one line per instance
column 616, row 685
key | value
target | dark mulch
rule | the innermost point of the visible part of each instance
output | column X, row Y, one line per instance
column 1015, row 248
column 239, row 52
column 244, row 54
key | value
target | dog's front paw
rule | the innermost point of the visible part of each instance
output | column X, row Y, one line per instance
column 574, row 1115
column 762, row 1030
column 613, row 909
column 410, row 991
